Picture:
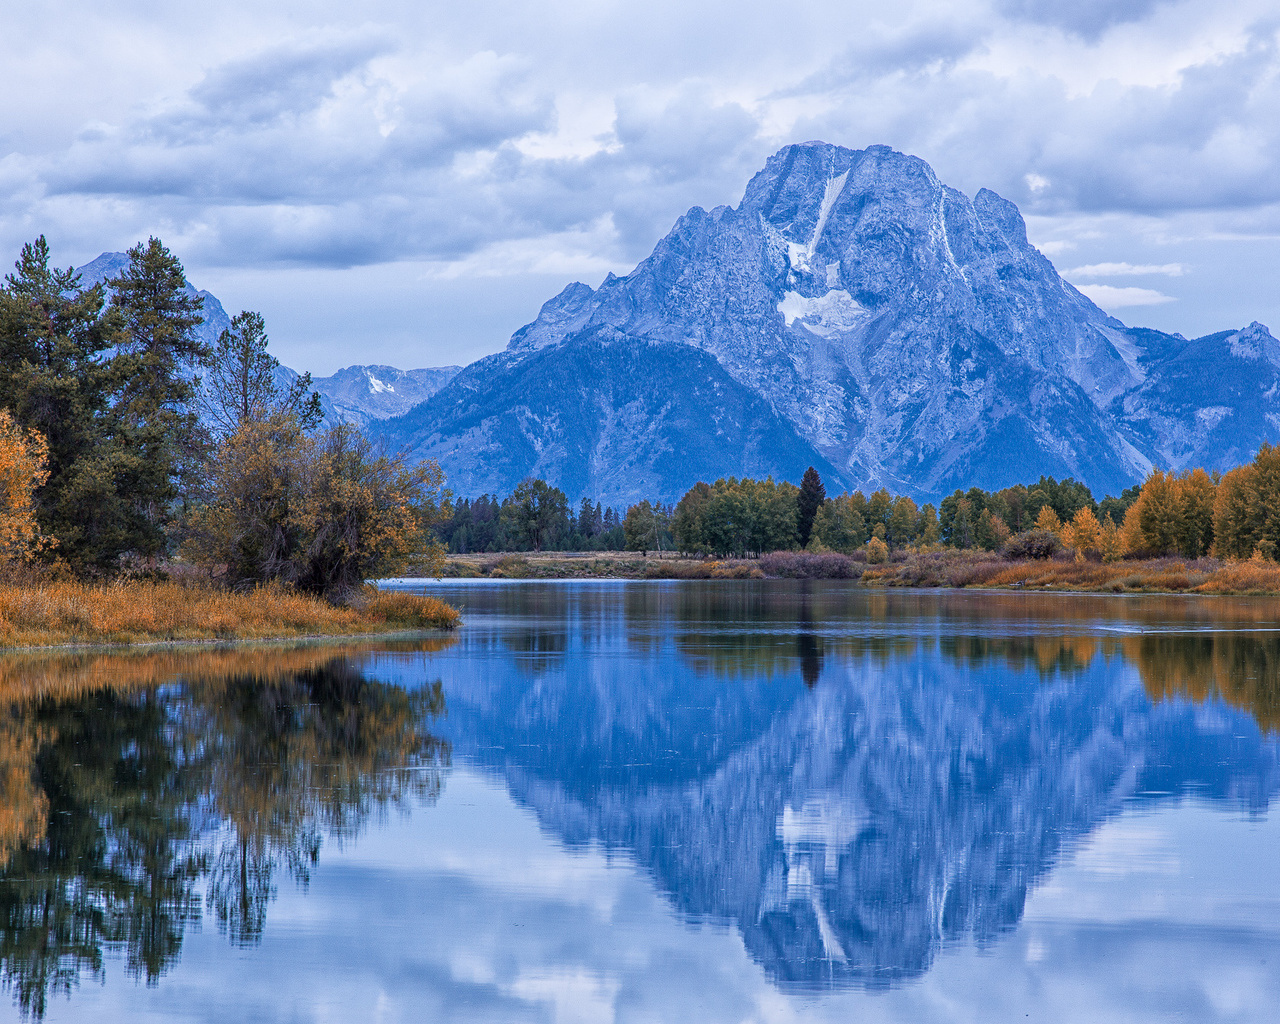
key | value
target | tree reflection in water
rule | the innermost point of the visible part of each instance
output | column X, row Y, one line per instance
column 126, row 803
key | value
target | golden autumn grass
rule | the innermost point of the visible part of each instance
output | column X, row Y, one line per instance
column 65, row 612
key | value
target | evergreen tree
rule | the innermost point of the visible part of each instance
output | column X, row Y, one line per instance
column 157, row 351
column 54, row 379
column 808, row 501
column 240, row 383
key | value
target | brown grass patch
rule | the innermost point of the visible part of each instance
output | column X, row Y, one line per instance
column 63, row 612
column 1251, row 577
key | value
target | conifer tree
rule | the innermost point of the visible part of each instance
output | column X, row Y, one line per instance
column 808, row 501
column 240, row 382
column 54, row 378
column 155, row 427
column 903, row 521
column 1082, row 533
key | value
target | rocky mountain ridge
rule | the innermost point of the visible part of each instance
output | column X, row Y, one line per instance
column 913, row 338
column 853, row 313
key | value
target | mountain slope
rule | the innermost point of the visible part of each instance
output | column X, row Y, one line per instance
column 605, row 415
column 1211, row 401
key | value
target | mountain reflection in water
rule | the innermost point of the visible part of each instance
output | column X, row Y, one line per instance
column 853, row 779
column 142, row 790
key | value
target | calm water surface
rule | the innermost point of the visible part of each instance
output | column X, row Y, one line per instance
column 659, row 802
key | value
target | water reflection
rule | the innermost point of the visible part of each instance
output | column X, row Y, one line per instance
column 139, row 788
column 854, row 780
column 864, row 787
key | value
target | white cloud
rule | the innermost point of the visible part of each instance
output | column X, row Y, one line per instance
column 321, row 135
column 1124, row 270
column 1111, row 298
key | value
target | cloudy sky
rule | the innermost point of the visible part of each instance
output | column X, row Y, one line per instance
column 406, row 182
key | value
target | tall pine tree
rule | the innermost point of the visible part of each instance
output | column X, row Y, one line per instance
column 56, row 379
column 809, row 500
column 157, row 353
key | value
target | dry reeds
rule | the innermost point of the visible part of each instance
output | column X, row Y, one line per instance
column 66, row 612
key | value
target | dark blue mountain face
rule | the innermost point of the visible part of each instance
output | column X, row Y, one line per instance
column 912, row 336
column 608, row 415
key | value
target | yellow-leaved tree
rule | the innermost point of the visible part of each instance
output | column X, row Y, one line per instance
column 322, row 513
column 1048, row 520
column 1174, row 514
column 24, row 456
column 1082, row 533
column 1110, row 541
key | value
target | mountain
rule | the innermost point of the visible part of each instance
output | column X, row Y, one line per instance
column 356, row 394
column 362, row 394
column 910, row 336
column 608, row 415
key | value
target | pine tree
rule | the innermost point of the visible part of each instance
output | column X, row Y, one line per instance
column 808, row 501
column 54, row 379
column 154, row 426
column 240, row 383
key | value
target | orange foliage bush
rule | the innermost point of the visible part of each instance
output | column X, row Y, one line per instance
column 23, row 458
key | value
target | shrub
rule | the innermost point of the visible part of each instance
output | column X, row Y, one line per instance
column 808, row 565
column 877, row 551
column 1037, row 543
column 735, row 571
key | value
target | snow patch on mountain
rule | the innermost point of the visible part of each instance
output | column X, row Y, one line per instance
column 377, row 387
column 829, row 315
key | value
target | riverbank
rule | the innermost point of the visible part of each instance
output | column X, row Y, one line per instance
column 942, row 569
column 46, row 614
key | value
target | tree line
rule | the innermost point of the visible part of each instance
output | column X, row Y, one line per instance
column 126, row 440
column 537, row 517
column 1191, row 514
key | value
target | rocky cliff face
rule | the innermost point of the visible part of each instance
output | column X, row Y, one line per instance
column 911, row 336
column 604, row 414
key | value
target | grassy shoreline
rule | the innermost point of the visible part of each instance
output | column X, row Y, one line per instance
column 66, row 613
column 949, row 569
